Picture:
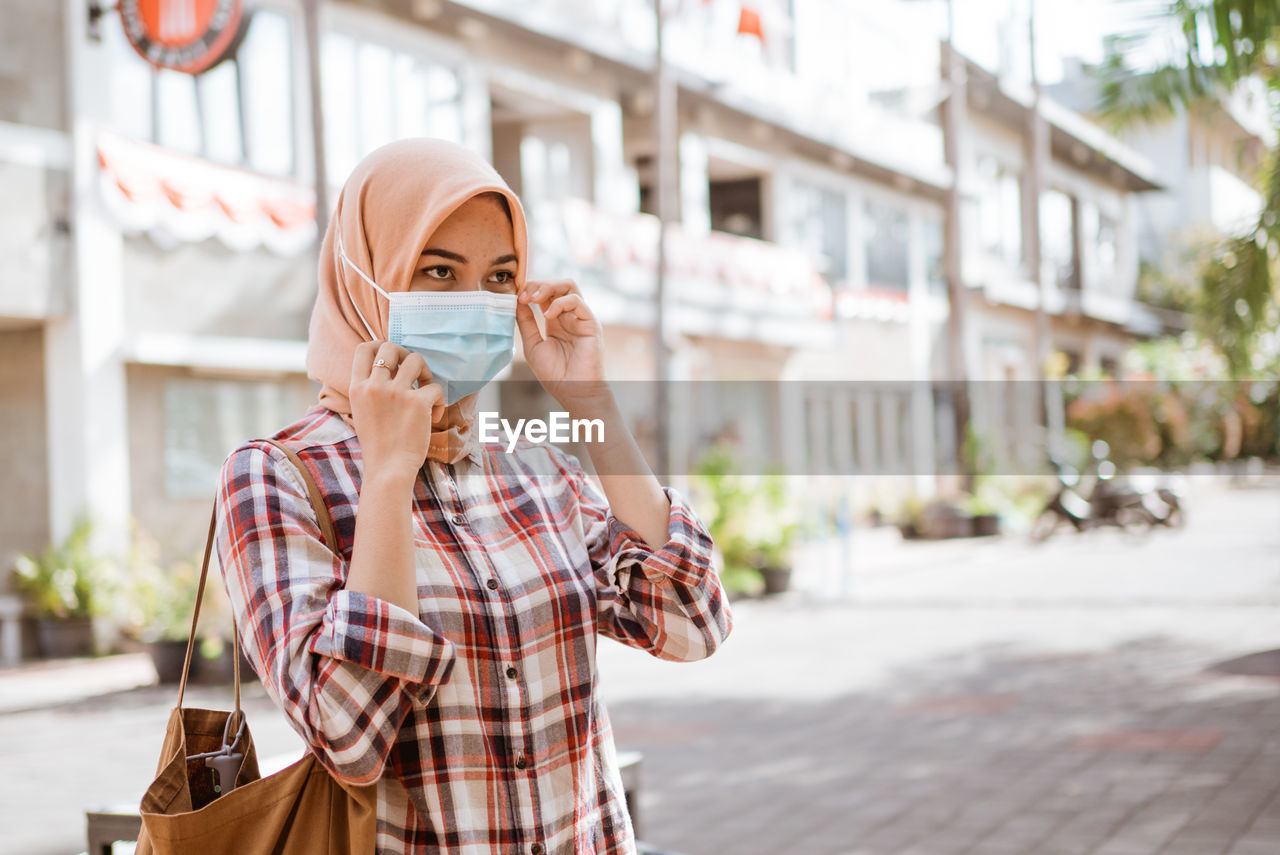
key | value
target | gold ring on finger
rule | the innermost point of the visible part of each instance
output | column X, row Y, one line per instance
column 382, row 363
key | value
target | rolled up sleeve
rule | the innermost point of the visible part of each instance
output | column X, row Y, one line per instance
column 382, row 637
column 346, row 668
column 667, row 601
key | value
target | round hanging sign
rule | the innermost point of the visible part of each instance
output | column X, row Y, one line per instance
column 184, row 35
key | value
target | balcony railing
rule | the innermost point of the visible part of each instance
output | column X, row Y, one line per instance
column 717, row 283
column 819, row 98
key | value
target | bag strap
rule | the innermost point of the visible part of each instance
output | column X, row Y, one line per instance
column 326, row 531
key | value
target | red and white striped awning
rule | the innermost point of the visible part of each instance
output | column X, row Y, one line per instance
column 175, row 198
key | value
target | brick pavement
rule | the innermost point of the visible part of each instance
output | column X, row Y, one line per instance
column 1133, row 750
column 985, row 698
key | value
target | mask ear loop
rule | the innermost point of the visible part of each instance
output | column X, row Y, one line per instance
column 342, row 253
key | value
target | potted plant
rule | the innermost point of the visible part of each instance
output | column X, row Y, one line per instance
column 942, row 520
column 63, row 587
column 160, row 598
column 768, row 531
column 984, row 518
column 911, row 518
column 216, row 645
column 752, row 523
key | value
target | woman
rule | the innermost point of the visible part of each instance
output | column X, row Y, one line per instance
column 447, row 650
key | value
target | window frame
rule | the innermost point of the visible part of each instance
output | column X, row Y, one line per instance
column 1072, row 281
column 992, row 189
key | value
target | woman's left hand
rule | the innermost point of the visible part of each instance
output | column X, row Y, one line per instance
column 569, row 362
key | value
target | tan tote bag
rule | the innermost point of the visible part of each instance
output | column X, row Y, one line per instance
column 300, row 810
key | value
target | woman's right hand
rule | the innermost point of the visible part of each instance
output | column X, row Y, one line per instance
column 392, row 418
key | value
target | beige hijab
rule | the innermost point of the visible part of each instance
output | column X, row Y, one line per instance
column 387, row 211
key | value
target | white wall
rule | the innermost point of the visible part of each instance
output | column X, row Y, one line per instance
column 35, row 194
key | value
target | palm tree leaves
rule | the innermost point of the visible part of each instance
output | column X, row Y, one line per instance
column 1127, row 97
column 1215, row 46
column 1237, row 304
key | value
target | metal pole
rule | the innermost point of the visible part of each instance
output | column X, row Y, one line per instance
column 955, row 118
column 663, row 125
column 1035, row 188
column 311, row 21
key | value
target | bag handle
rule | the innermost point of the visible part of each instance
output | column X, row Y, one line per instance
column 326, row 531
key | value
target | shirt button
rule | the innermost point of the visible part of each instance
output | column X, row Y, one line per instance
column 521, row 762
column 459, row 519
column 511, row 672
column 536, row 849
column 492, row 584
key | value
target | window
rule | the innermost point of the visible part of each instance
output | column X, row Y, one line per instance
column 205, row 419
column 736, row 207
column 1000, row 211
column 1058, row 215
column 266, row 86
column 886, row 246
column 177, row 120
column 240, row 112
column 1105, row 241
column 217, row 92
column 818, row 225
column 375, row 93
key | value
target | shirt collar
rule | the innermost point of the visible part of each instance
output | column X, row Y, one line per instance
column 473, row 458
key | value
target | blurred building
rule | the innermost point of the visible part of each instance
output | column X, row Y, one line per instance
column 1209, row 159
column 1087, row 229
column 159, row 264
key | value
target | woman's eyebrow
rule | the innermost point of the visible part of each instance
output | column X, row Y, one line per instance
column 453, row 256
column 444, row 253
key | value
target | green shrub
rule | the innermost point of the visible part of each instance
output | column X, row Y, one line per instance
column 751, row 519
column 68, row 579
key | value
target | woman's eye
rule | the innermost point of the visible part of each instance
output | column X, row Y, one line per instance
column 502, row 280
column 439, row 271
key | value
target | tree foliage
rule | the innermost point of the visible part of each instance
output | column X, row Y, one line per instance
column 1220, row 45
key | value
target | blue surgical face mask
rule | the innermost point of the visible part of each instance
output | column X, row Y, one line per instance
column 466, row 337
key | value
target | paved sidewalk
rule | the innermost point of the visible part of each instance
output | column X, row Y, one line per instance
column 1124, row 743
column 986, row 698
column 37, row 685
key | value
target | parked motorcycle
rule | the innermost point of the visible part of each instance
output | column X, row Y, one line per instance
column 1162, row 498
column 1110, row 502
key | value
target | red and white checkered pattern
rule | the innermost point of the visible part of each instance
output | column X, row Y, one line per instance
column 479, row 717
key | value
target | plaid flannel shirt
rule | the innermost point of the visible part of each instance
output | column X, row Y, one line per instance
column 478, row 717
